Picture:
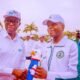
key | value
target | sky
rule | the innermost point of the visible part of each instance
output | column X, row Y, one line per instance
column 38, row 10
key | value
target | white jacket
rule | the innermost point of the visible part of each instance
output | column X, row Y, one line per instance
column 61, row 60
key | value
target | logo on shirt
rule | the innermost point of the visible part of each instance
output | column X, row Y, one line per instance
column 20, row 50
column 60, row 54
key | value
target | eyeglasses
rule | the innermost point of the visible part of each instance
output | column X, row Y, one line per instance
column 15, row 21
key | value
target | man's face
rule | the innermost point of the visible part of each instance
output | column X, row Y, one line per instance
column 55, row 29
column 28, row 37
column 11, row 24
column 42, row 39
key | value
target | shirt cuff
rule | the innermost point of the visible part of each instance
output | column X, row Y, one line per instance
column 50, row 76
column 8, row 70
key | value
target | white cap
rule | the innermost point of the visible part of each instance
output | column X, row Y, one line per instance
column 54, row 19
column 13, row 13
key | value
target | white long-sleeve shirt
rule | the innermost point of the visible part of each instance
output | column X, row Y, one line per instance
column 11, row 54
column 60, row 60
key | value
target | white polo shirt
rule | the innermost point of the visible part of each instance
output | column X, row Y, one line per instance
column 11, row 53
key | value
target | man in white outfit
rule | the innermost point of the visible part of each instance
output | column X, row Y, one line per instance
column 12, row 49
column 60, row 56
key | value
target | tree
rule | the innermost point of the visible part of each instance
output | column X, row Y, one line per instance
column 69, row 34
column 30, row 27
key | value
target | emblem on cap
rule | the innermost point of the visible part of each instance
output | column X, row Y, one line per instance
column 13, row 13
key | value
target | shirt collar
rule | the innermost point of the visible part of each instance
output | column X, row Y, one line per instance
column 60, row 44
column 7, row 36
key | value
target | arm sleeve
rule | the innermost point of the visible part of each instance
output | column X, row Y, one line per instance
column 6, row 70
column 23, row 58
